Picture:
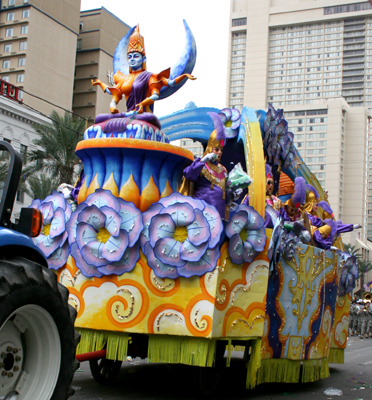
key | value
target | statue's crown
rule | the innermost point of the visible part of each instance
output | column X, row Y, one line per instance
column 136, row 42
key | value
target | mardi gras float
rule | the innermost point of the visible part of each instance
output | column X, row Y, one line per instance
column 177, row 259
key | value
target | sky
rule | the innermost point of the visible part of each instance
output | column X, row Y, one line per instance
column 162, row 27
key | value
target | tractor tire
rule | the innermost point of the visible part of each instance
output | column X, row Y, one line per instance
column 37, row 336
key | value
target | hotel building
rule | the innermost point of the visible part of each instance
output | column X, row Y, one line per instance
column 314, row 60
column 38, row 49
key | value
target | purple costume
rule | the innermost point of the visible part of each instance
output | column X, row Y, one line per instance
column 322, row 243
column 203, row 189
column 283, row 214
column 315, row 221
column 343, row 228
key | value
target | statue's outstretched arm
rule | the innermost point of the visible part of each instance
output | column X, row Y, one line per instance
column 114, row 91
column 116, row 97
column 178, row 79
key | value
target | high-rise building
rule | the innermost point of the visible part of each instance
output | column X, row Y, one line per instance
column 301, row 55
column 38, row 49
column 99, row 33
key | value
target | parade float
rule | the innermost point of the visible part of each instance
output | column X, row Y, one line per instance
column 156, row 272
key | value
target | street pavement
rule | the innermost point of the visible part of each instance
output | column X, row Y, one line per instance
column 141, row 380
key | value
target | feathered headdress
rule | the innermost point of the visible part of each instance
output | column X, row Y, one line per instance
column 268, row 172
column 327, row 210
column 299, row 195
column 217, row 138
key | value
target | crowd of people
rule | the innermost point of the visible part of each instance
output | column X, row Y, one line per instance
column 360, row 319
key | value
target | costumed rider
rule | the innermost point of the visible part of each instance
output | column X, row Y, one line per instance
column 273, row 203
column 328, row 214
column 323, row 232
column 291, row 210
column 209, row 175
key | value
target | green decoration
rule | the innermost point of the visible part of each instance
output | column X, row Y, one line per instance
column 116, row 343
column 336, row 356
column 288, row 371
column 182, row 350
column 253, row 364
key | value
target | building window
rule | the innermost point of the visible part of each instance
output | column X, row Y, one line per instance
column 239, row 21
column 20, row 95
column 23, row 45
column 25, row 1
column 24, row 154
column 78, row 44
column 9, row 32
column 6, row 63
column 5, row 78
column 81, row 24
column 347, row 8
column 10, row 16
column 21, row 61
column 11, row 2
column 26, row 13
column 20, row 78
column 7, row 48
column 24, row 29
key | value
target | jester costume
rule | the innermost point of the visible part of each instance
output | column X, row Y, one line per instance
column 295, row 202
column 324, row 232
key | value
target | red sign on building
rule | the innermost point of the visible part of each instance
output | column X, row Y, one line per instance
column 10, row 91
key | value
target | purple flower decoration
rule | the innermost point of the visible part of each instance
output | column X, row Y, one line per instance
column 349, row 274
column 277, row 141
column 181, row 237
column 246, row 233
column 231, row 121
column 52, row 240
column 103, row 234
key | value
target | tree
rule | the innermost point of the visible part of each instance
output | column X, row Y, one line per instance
column 57, row 142
column 39, row 187
column 353, row 251
column 363, row 265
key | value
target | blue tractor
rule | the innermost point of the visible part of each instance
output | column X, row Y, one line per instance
column 37, row 336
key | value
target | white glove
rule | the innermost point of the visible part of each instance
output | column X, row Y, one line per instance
column 209, row 157
column 237, row 194
column 334, row 248
column 357, row 226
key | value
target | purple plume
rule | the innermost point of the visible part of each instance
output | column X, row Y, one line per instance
column 299, row 195
column 218, row 126
column 312, row 188
column 267, row 169
column 326, row 207
column 333, row 226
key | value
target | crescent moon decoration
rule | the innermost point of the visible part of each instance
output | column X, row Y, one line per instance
column 184, row 65
column 120, row 61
